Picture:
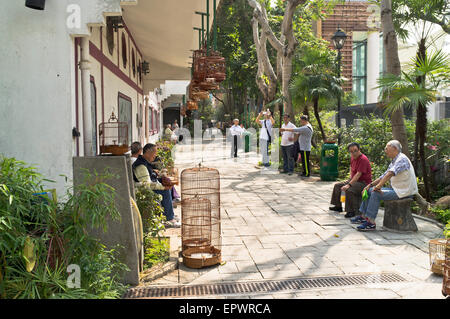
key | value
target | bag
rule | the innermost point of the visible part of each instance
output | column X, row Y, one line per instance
column 365, row 195
column 270, row 137
column 313, row 138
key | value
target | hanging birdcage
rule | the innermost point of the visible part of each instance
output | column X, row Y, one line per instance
column 216, row 67
column 446, row 271
column 199, row 65
column 437, row 255
column 113, row 136
column 201, row 239
column 183, row 110
column 192, row 105
column 196, row 93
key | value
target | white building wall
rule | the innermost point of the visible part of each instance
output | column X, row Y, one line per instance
column 36, row 88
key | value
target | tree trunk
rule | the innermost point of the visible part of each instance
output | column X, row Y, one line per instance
column 317, row 115
column 306, row 110
column 393, row 67
column 422, row 123
column 416, row 146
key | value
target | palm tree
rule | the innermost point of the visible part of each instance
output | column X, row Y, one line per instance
column 316, row 82
column 418, row 88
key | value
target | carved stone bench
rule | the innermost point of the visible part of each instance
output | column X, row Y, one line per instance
column 398, row 215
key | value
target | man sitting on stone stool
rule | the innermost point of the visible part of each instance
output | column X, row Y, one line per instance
column 403, row 180
column 360, row 176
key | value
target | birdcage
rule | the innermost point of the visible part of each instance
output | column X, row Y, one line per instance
column 196, row 93
column 183, row 110
column 192, row 105
column 199, row 65
column 201, row 239
column 437, row 255
column 446, row 271
column 215, row 67
column 113, row 136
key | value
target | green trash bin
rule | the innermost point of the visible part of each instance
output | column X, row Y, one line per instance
column 247, row 142
column 329, row 162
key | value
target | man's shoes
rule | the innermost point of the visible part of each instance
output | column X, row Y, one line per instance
column 290, row 173
column 173, row 224
column 336, row 209
column 283, row 172
column 349, row 215
column 358, row 220
column 366, row 226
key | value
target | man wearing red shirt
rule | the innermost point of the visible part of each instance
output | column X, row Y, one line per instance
column 360, row 176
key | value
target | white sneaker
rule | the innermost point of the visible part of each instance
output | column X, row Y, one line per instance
column 173, row 223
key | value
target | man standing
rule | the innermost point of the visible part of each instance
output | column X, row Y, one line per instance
column 304, row 141
column 175, row 125
column 287, row 146
column 235, row 132
column 136, row 150
column 360, row 176
column 143, row 173
column 265, row 135
column 403, row 180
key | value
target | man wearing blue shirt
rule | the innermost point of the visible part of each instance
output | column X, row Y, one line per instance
column 403, row 180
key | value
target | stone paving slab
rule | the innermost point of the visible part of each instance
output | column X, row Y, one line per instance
column 276, row 226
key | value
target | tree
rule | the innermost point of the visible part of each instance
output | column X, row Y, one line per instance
column 284, row 46
column 417, row 89
column 315, row 80
column 393, row 67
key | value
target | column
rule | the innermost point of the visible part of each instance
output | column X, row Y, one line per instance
column 373, row 65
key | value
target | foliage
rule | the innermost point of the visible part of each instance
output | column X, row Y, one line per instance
column 443, row 215
column 156, row 251
column 25, row 217
column 151, row 211
column 164, row 154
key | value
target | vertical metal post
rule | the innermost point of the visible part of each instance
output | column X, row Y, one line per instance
column 339, row 99
column 203, row 29
column 207, row 27
column 215, row 27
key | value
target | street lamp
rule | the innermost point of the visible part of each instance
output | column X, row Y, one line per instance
column 338, row 42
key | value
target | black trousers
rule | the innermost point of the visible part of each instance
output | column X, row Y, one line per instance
column 305, row 162
column 235, row 146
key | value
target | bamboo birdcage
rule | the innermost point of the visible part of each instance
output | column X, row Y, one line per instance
column 437, row 255
column 113, row 136
column 192, row 105
column 446, row 271
column 200, row 213
column 215, row 67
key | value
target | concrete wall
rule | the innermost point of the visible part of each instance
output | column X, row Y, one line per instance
column 36, row 91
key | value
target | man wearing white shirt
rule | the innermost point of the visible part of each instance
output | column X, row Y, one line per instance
column 265, row 135
column 287, row 145
column 235, row 132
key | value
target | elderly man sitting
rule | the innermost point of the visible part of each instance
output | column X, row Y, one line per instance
column 143, row 173
column 403, row 180
column 360, row 176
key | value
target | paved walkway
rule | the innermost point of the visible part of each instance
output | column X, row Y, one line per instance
column 277, row 227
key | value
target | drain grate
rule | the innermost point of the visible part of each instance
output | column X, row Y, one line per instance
column 262, row 286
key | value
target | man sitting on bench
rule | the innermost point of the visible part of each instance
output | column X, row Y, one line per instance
column 403, row 180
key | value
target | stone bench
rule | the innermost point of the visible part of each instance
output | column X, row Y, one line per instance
column 398, row 215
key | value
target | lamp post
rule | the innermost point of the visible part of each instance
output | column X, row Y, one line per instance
column 338, row 42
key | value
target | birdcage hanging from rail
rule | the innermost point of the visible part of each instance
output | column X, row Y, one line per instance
column 446, row 271
column 201, row 239
column 113, row 136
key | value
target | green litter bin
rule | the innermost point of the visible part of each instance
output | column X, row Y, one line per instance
column 247, row 142
column 329, row 162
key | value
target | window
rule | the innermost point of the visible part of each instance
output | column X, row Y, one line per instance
column 359, row 73
column 125, row 109
column 150, row 126
column 110, row 35
column 124, row 50
column 133, row 63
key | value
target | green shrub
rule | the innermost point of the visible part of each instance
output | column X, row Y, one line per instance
column 156, row 251
column 151, row 211
column 25, row 217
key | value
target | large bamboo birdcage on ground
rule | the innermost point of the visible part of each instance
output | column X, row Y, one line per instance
column 113, row 136
column 446, row 271
column 437, row 255
column 201, row 238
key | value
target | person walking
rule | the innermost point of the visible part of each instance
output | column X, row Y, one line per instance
column 287, row 146
column 304, row 140
column 265, row 135
column 235, row 132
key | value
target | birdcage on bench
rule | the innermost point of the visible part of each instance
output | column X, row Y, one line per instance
column 200, row 214
column 113, row 136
